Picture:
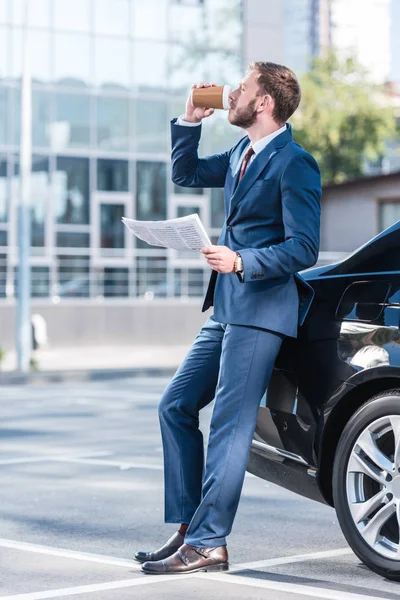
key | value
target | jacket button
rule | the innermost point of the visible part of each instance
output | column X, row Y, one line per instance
column 229, row 228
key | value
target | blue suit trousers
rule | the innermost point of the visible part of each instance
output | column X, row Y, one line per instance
column 232, row 363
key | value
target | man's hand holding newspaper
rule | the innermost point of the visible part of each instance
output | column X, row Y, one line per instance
column 184, row 233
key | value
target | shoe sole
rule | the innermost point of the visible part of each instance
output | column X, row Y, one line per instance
column 211, row 568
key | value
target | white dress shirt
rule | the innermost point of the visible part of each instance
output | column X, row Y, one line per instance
column 257, row 146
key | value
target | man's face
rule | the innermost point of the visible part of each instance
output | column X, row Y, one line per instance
column 243, row 112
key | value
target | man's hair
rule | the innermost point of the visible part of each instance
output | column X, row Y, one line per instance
column 281, row 84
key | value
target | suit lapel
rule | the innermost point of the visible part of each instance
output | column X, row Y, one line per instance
column 254, row 169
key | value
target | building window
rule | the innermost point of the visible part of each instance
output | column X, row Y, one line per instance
column 112, row 175
column 73, row 276
column 72, row 58
column 40, row 282
column 40, row 189
column 217, row 207
column 389, row 213
column 111, row 17
column 73, row 239
column 113, row 123
column 151, row 126
column 71, row 190
column 151, row 277
column 4, row 190
column 109, row 72
column 151, row 191
column 188, row 191
column 71, row 127
column 116, row 281
column 73, row 15
column 112, row 232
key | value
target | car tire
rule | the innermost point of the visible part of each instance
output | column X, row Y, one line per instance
column 356, row 493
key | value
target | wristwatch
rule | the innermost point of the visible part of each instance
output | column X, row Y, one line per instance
column 238, row 264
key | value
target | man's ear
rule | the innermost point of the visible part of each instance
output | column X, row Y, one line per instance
column 265, row 102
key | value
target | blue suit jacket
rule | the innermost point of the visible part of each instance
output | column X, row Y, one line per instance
column 272, row 219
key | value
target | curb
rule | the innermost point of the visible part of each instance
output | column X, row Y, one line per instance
column 40, row 377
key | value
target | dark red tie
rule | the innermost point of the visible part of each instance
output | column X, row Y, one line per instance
column 245, row 162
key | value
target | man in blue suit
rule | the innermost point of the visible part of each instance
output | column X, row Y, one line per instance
column 272, row 193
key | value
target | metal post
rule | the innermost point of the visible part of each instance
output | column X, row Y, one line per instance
column 24, row 333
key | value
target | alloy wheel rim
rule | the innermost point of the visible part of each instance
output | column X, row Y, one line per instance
column 373, row 485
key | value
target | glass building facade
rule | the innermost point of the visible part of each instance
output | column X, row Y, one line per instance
column 107, row 77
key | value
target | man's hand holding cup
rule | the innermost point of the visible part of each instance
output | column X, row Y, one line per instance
column 204, row 99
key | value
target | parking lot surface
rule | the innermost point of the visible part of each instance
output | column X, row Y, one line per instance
column 82, row 491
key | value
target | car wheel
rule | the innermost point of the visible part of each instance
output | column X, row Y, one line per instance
column 366, row 483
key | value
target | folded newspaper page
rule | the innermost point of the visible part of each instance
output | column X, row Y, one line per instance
column 183, row 233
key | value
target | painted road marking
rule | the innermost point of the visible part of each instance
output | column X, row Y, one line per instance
column 44, row 458
column 97, row 558
column 291, row 588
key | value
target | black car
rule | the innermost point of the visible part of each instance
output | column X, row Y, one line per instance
column 329, row 428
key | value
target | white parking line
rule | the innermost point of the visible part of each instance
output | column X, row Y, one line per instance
column 290, row 588
column 97, row 558
column 227, row 578
column 44, row 458
column 273, row 562
column 96, row 587
column 123, row 466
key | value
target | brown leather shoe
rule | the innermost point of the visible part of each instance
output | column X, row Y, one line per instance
column 189, row 559
column 168, row 549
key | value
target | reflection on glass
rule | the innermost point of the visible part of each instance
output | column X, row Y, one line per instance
column 40, row 55
column 39, row 198
column 40, row 116
column 389, row 213
column 73, row 15
column 4, row 189
column 149, row 19
column 186, row 65
column 116, row 281
column 151, row 126
column 112, row 175
column 40, row 282
column 72, row 59
column 4, row 18
column 185, row 21
column 73, row 239
column 3, row 115
column 224, row 22
column 113, row 131
column 189, row 282
column 112, row 64
column 151, row 194
column 4, row 55
column 217, row 207
column 150, row 74
column 71, row 190
column 71, row 127
column 112, row 234
column 111, row 17
column 3, row 275
column 73, row 276
column 151, row 277
column 39, row 194
column 178, row 189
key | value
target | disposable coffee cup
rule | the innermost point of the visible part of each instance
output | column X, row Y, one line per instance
column 212, row 97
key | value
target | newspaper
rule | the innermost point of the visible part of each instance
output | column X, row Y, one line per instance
column 183, row 233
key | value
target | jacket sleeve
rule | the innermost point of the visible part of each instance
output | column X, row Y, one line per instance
column 188, row 169
column 301, row 196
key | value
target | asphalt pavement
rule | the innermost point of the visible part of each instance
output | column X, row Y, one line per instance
column 82, row 490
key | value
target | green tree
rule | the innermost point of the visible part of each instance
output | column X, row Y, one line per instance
column 343, row 119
